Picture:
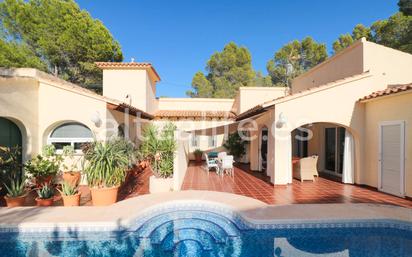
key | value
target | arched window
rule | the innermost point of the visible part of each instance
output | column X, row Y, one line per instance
column 73, row 133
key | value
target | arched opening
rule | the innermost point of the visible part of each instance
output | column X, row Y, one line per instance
column 263, row 148
column 10, row 134
column 72, row 134
column 325, row 149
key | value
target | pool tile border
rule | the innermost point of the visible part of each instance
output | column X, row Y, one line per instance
column 88, row 228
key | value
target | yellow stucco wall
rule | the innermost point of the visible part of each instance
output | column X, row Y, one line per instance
column 344, row 64
column 249, row 97
column 391, row 108
column 38, row 103
column 19, row 103
column 117, row 84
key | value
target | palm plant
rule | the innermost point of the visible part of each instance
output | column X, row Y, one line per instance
column 159, row 148
column 107, row 165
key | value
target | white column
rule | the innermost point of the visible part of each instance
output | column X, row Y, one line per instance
column 283, row 158
column 348, row 173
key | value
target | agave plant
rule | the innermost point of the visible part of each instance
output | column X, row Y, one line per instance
column 68, row 189
column 45, row 192
column 16, row 188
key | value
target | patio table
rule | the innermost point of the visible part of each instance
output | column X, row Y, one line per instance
column 212, row 155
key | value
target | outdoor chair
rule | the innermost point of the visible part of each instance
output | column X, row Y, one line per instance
column 221, row 155
column 211, row 163
column 306, row 168
column 226, row 165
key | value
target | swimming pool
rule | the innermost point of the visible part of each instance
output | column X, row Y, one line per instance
column 200, row 231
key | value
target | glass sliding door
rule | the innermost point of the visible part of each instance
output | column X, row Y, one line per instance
column 334, row 150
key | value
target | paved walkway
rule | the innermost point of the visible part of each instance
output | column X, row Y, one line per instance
column 321, row 191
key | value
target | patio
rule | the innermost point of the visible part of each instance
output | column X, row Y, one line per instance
column 253, row 184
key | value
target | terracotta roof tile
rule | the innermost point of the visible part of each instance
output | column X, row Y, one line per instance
column 194, row 114
column 103, row 65
column 128, row 65
column 392, row 89
column 251, row 112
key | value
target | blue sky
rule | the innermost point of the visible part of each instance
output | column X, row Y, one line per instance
column 179, row 36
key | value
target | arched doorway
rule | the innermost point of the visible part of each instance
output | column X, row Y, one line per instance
column 263, row 149
column 334, row 146
column 10, row 134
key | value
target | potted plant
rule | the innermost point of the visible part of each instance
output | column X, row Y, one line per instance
column 10, row 165
column 70, row 173
column 107, row 164
column 159, row 149
column 44, row 167
column 45, row 196
column 16, row 193
column 198, row 155
column 235, row 145
column 70, row 194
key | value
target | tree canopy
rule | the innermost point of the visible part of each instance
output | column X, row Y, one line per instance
column 55, row 36
column 394, row 32
column 405, row 6
column 227, row 71
column 294, row 59
column 347, row 39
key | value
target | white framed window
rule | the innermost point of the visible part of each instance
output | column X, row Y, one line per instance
column 72, row 133
column 212, row 141
column 195, row 140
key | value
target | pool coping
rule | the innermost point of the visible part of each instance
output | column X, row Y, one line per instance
column 255, row 214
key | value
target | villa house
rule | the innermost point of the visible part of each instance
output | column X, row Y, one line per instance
column 354, row 109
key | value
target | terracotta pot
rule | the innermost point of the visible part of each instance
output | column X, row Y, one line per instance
column 71, row 200
column 198, row 158
column 15, row 201
column 44, row 202
column 104, row 196
column 40, row 181
column 72, row 177
column 144, row 164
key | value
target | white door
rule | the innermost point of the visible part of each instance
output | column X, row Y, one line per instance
column 392, row 157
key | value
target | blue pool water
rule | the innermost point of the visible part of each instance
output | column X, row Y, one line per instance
column 204, row 233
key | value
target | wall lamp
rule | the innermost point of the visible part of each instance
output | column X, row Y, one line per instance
column 281, row 121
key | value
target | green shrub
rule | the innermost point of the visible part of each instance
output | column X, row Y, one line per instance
column 235, row 145
column 158, row 147
column 40, row 167
column 10, row 164
column 107, row 164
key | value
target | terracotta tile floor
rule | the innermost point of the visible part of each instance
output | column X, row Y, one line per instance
column 322, row 190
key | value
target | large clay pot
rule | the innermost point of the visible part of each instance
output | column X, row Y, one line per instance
column 40, row 181
column 72, row 177
column 71, row 200
column 44, row 202
column 198, row 158
column 15, row 201
column 104, row 196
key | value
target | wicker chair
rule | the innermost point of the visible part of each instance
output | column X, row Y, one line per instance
column 306, row 168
